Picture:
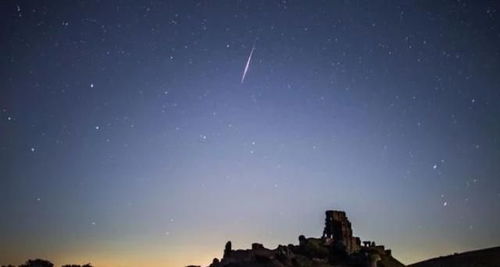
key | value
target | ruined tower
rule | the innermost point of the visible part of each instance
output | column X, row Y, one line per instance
column 338, row 228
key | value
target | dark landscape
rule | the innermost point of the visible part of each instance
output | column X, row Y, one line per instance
column 337, row 247
column 476, row 258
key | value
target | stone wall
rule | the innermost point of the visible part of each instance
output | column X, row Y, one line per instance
column 338, row 228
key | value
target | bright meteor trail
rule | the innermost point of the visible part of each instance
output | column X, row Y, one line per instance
column 247, row 65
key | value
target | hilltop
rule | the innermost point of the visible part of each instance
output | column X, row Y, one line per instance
column 477, row 258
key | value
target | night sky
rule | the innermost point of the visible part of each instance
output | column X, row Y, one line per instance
column 128, row 139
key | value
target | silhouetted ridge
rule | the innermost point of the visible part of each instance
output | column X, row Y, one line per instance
column 44, row 263
column 489, row 257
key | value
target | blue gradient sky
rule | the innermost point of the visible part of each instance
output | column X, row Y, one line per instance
column 126, row 137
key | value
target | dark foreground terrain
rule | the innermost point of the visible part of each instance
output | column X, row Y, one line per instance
column 489, row 257
column 337, row 247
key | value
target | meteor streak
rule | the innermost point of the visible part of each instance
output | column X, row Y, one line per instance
column 247, row 65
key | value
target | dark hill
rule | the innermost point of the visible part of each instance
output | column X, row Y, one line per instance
column 489, row 257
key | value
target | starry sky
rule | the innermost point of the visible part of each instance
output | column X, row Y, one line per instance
column 128, row 139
